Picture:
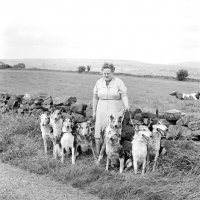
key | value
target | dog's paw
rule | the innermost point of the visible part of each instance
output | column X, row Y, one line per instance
column 100, row 158
column 97, row 162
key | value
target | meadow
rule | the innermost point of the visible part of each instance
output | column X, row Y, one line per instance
column 178, row 172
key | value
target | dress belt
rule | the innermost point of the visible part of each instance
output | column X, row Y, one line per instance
column 110, row 99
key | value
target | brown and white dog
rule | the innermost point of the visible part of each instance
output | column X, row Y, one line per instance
column 46, row 129
column 67, row 140
column 112, row 138
column 56, row 122
column 154, row 142
column 115, row 123
column 183, row 96
column 84, row 136
column 114, row 149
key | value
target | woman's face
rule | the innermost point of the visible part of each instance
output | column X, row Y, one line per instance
column 107, row 74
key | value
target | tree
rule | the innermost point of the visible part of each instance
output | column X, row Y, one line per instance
column 182, row 74
column 81, row 69
column 88, row 68
column 19, row 66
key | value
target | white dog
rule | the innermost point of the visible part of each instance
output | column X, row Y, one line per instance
column 139, row 148
column 47, row 131
column 56, row 122
column 68, row 140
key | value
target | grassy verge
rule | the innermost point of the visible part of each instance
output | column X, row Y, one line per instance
column 177, row 176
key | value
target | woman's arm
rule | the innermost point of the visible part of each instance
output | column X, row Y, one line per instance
column 95, row 102
column 123, row 93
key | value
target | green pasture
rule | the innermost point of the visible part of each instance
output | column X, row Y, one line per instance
column 178, row 172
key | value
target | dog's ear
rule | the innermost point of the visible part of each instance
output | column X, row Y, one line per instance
column 78, row 125
column 48, row 113
column 63, row 118
column 111, row 117
column 72, row 119
column 52, row 109
column 136, row 128
column 149, row 122
column 120, row 118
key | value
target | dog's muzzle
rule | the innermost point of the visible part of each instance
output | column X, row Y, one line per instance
column 114, row 139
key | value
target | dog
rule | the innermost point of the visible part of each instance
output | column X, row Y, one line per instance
column 141, row 135
column 84, row 136
column 183, row 96
column 154, row 142
column 115, row 123
column 139, row 149
column 67, row 140
column 47, row 130
column 56, row 122
column 114, row 149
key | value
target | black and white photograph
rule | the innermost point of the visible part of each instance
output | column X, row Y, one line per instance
column 100, row 99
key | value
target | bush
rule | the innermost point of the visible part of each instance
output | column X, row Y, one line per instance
column 4, row 66
column 19, row 66
column 88, row 68
column 182, row 74
column 81, row 69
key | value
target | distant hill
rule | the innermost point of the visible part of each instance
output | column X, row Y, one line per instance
column 188, row 64
column 124, row 66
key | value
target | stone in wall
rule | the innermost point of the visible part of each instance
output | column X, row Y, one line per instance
column 177, row 132
column 196, row 133
column 173, row 115
column 78, row 117
column 48, row 101
column 139, row 117
column 70, row 100
column 78, row 108
column 195, row 125
column 183, row 121
column 165, row 122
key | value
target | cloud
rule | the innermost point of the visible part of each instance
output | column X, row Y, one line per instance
column 190, row 44
column 192, row 28
column 29, row 35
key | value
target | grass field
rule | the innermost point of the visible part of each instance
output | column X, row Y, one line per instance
column 178, row 173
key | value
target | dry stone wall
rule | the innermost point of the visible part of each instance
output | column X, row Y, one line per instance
column 37, row 104
column 180, row 125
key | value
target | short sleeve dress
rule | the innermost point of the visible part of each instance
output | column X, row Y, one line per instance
column 112, row 100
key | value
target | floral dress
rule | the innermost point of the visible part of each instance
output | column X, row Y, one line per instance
column 112, row 99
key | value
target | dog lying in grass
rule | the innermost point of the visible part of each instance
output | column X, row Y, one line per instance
column 47, row 130
column 183, row 96
column 115, row 123
column 67, row 140
column 84, row 136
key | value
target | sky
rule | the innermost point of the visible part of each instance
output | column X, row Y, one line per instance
column 153, row 31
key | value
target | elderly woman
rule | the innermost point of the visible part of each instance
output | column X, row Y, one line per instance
column 109, row 98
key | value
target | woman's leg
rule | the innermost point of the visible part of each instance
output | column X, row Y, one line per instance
column 97, row 145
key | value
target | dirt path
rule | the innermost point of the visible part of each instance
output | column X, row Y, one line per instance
column 17, row 184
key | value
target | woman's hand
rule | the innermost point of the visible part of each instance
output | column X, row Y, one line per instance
column 126, row 108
